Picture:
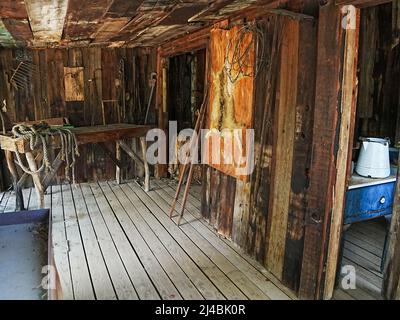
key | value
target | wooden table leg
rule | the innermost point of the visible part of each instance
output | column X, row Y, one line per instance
column 118, row 157
column 50, row 175
column 143, row 144
column 19, row 202
column 36, row 178
column 25, row 175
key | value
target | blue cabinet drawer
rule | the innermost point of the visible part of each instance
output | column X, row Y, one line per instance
column 369, row 202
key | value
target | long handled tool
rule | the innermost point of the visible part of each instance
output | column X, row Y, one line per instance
column 189, row 180
column 153, row 81
column 197, row 128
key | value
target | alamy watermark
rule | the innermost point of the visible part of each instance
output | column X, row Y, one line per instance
column 349, row 277
column 349, row 20
column 231, row 147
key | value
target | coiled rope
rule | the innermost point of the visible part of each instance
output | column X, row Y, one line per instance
column 38, row 135
column 239, row 50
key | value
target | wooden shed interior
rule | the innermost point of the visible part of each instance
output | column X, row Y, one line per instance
column 312, row 78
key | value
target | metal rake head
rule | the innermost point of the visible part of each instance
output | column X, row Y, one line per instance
column 22, row 74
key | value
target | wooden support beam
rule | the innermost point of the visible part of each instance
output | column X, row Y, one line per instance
column 161, row 100
column 344, row 154
column 143, row 145
column 21, row 181
column 361, row 3
column 50, row 175
column 131, row 153
column 326, row 130
column 19, row 199
column 391, row 276
column 291, row 14
column 116, row 159
column 191, row 42
column 117, row 162
column 36, row 178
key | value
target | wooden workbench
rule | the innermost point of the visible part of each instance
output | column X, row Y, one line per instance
column 84, row 135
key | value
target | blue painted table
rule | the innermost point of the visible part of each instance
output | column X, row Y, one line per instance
column 369, row 198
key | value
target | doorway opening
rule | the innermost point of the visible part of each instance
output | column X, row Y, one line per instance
column 186, row 77
column 372, row 179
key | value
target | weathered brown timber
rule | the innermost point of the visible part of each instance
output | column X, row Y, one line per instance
column 361, row 3
column 300, row 177
column 343, row 162
column 284, row 139
column 226, row 205
column 19, row 29
column 369, row 36
column 325, row 131
column 13, row 9
column 264, row 118
column 391, row 280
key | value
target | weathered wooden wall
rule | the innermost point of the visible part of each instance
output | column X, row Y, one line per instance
column 44, row 97
column 379, row 75
column 265, row 215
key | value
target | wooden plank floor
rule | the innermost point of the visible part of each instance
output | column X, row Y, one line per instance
column 117, row 242
column 363, row 249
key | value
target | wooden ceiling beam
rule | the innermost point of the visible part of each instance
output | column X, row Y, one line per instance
column 14, row 9
column 6, row 39
column 83, row 21
column 121, row 22
column 109, row 28
column 123, row 8
column 221, row 9
column 19, row 29
column 150, row 14
column 46, row 19
column 362, row 3
column 182, row 14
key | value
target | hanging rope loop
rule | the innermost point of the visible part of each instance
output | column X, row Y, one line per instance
column 38, row 136
column 240, row 48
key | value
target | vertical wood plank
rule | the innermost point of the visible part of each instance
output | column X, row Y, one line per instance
column 241, row 213
column 348, row 108
column 391, row 276
column 282, row 170
column 325, row 133
column 226, row 205
column 264, row 149
column 301, row 154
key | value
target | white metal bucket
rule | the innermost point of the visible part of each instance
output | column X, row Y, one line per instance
column 373, row 161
